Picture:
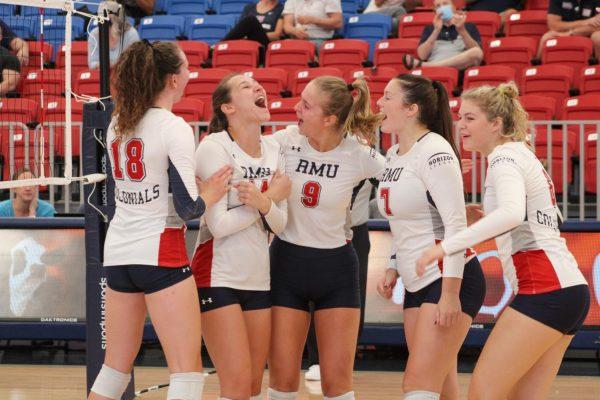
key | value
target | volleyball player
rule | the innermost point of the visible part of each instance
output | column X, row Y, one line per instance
column 150, row 150
column 310, row 259
column 231, row 262
column 421, row 194
column 524, row 351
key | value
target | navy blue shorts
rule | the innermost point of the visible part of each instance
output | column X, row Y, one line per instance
column 327, row 277
column 212, row 298
column 563, row 309
column 472, row 291
column 144, row 278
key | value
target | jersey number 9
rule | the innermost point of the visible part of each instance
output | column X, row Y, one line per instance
column 310, row 194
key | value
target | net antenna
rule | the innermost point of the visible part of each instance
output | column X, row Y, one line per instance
column 68, row 6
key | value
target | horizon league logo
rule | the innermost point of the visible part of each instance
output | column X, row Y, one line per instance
column 439, row 159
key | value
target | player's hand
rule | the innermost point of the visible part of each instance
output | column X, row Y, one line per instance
column 474, row 213
column 438, row 22
column 279, row 187
column 466, row 165
column 458, row 20
column 448, row 310
column 430, row 255
column 386, row 284
column 215, row 187
column 251, row 196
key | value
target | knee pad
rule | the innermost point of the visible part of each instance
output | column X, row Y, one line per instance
column 345, row 396
column 421, row 395
column 277, row 395
column 186, row 386
column 110, row 383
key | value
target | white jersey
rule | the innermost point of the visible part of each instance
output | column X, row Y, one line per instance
column 232, row 249
column 421, row 194
column 147, row 227
column 521, row 213
column 322, row 187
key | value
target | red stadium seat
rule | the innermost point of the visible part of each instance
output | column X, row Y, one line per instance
column 203, row 82
column 536, row 5
column 589, row 80
column 54, row 116
column 574, row 51
column 487, row 75
column 290, row 54
column 539, row 108
column 18, row 110
column 52, row 81
column 488, row 23
column 389, row 52
column 582, row 108
column 454, row 104
column 591, row 163
column 283, row 110
column 459, row 4
column 79, row 57
column 274, row 80
column 236, row 55
column 515, row 51
column 191, row 110
column 35, row 53
column 411, row 25
column 87, row 83
column 448, row 76
column 377, row 79
column 195, row 51
column 555, row 166
column 548, row 80
column 475, row 174
column 345, row 54
column 530, row 23
column 299, row 79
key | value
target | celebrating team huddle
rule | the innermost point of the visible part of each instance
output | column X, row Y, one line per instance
column 275, row 218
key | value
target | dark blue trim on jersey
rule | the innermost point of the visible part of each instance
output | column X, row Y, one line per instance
column 186, row 207
column 430, row 199
column 568, row 226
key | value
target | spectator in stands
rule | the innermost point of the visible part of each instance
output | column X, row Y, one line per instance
column 573, row 18
column 10, row 71
column 503, row 7
column 314, row 20
column 393, row 8
column 26, row 202
column 121, row 35
column 448, row 42
column 261, row 22
column 14, row 44
column 138, row 8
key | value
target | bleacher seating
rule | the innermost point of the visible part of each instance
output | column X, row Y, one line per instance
column 274, row 80
column 487, row 75
column 448, row 76
column 487, row 22
column 230, row 7
column 195, row 51
column 87, row 82
column 282, row 109
column 377, row 79
column 411, row 25
column 7, row 10
column 190, row 109
column 369, row 27
column 23, row 27
column 79, row 57
column 55, row 112
column 345, row 54
column 548, row 80
column 290, row 54
column 389, row 52
column 299, row 79
column 185, row 7
column 574, row 51
column 236, row 55
column 514, row 51
column 161, row 27
column 203, row 82
column 589, row 80
column 209, row 28
column 52, row 81
column 530, row 23
column 539, row 108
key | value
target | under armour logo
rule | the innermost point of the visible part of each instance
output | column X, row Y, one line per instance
column 185, row 269
column 209, row 300
column 297, row 148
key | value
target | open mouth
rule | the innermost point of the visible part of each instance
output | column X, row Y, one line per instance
column 261, row 102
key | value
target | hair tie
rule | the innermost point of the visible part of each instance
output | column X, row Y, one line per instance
column 147, row 43
column 350, row 87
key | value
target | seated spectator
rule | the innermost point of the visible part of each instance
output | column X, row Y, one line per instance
column 261, row 22
column 573, row 18
column 14, row 54
column 314, row 20
column 138, row 8
column 121, row 35
column 503, row 7
column 393, row 8
column 448, row 42
column 26, row 202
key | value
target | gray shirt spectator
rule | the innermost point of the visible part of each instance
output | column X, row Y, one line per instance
column 314, row 20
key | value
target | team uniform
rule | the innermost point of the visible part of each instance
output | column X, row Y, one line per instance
column 145, row 244
column 521, row 213
column 420, row 193
column 311, row 259
column 231, row 261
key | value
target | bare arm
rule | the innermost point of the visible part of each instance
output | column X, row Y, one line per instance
column 21, row 49
column 276, row 34
column 289, row 27
column 332, row 21
column 555, row 23
column 424, row 50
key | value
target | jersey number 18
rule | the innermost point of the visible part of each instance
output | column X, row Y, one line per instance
column 134, row 164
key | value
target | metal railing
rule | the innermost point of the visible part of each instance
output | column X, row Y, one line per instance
column 570, row 137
